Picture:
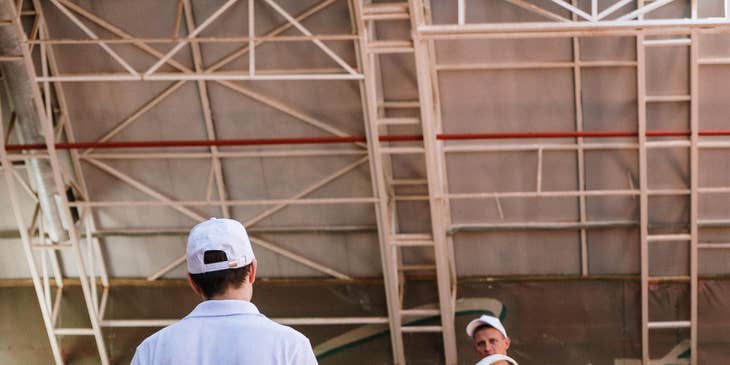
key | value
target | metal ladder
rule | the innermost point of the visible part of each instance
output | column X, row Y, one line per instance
column 432, row 245
column 33, row 238
column 648, row 238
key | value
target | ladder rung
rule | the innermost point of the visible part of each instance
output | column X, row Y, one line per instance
column 417, row 267
column 658, row 279
column 386, row 16
column 380, row 8
column 399, row 121
column 74, row 331
column 667, row 98
column 401, row 104
column 408, row 182
column 51, row 247
column 413, row 243
column 668, row 42
column 668, row 237
column 723, row 245
column 669, row 324
column 412, row 236
column 667, row 144
column 419, row 312
column 401, row 150
column 10, row 58
column 412, row 329
column 385, row 47
column 714, row 61
column 665, row 192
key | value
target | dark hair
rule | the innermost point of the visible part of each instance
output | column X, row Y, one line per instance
column 483, row 326
column 217, row 282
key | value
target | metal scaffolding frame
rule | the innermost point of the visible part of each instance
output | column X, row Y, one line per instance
column 377, row 148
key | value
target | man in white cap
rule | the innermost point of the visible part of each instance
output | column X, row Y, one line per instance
column 226, row 328
column 489, row 335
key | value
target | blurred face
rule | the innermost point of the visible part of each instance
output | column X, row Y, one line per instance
column 489, row 341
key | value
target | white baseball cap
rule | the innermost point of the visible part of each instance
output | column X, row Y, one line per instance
column 218, row 234
column 485, row 319
column 491, row 359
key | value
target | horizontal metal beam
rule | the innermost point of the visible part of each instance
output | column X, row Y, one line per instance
column 213, row 76
column 569, row 29
column 309, row 321
column 221, row 39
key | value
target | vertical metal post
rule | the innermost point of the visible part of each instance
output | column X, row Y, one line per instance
column 643, row 195
column 694, row 186
column 578, row 91
column 251, row 39
column 461, row 11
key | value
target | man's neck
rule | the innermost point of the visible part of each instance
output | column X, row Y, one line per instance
column 242, row 293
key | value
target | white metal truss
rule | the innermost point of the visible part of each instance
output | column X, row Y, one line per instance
column 594, row 24
column 86, row 251
column 571, row 22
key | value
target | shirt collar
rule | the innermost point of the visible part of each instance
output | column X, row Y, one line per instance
column 215, row 308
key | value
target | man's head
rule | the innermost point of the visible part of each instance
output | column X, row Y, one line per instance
column 220, row 259
column 489, row 336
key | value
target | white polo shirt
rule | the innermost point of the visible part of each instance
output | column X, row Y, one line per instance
column 219, row 332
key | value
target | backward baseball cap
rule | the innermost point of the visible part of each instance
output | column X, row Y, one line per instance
column 218, row 234
column 488, row 320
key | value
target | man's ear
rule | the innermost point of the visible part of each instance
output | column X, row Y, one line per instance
column 251, row 277
column 507, row 341
column 195, row 288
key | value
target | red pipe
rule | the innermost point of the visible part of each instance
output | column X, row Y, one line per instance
column 528, row 135
column 330, row 140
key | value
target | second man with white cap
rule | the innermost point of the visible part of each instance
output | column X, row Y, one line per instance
column 226, row 328
column 489, row 335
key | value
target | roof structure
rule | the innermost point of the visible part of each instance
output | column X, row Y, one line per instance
column 359, row 139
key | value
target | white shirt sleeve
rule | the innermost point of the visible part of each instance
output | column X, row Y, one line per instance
column 303, row 353
column 139, row 356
